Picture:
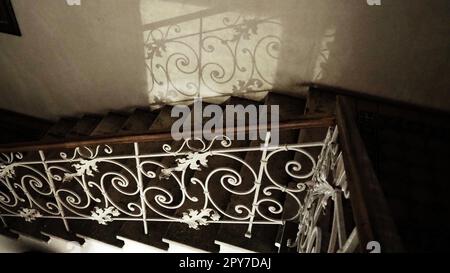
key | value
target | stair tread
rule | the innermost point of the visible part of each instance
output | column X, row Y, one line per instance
column 264, row 237
column 92, row 125
column 17, row 127
column 85, row 126
column 57, row 229
column 139, row 121
column 163, row 121
column 205, row 237
column 20, row 226
column 134, row 230
column 78, row 128
column 31, row 228
column 109, row 124
column 157, row 230
column 8, row 233
column 61, row 129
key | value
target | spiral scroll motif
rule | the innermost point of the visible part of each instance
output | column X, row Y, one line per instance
column 94, row 184
column 76, row 184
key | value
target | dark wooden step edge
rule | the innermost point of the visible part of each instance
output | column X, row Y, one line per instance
column 8, row 233
column 25, row 121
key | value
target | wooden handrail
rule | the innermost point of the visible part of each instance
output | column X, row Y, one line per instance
column 370, row 209
column 304, row 122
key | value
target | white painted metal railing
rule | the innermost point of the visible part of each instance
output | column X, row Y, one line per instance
column 73, row 186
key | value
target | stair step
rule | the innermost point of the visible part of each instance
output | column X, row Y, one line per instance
column 18, row 225
column 16, row 127
column 31, row 228
column 110, row 124
column 57, row 229
column 163, row 121
column 263, row 237
column 85, row 126
column 92, row 229
column 88, row 125
column 134, row 230
column 60, row 130
column 8, row 233
column 140, row 121
column 205, row 238
column 158, row 229
column 67, row 128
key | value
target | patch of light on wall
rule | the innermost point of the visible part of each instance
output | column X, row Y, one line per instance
column 208, row 52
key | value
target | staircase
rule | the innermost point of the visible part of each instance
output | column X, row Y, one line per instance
column 119, row 176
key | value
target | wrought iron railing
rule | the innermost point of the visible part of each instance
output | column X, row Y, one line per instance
column 121, row 182
column 327, row 188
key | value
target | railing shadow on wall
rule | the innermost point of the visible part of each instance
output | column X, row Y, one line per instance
column 210, row 53
column 237, row 47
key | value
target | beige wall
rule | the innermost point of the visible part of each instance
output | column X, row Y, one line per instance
column 90, row 58
column 73, row 60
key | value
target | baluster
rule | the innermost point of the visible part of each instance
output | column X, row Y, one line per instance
column 263, row 161
column 52, row 187
column 338, row 230
column 141, row 186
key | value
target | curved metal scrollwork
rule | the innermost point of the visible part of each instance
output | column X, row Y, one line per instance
column 95, row 184
column 322, row 193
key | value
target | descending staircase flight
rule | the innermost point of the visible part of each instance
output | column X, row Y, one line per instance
column 121, row 175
